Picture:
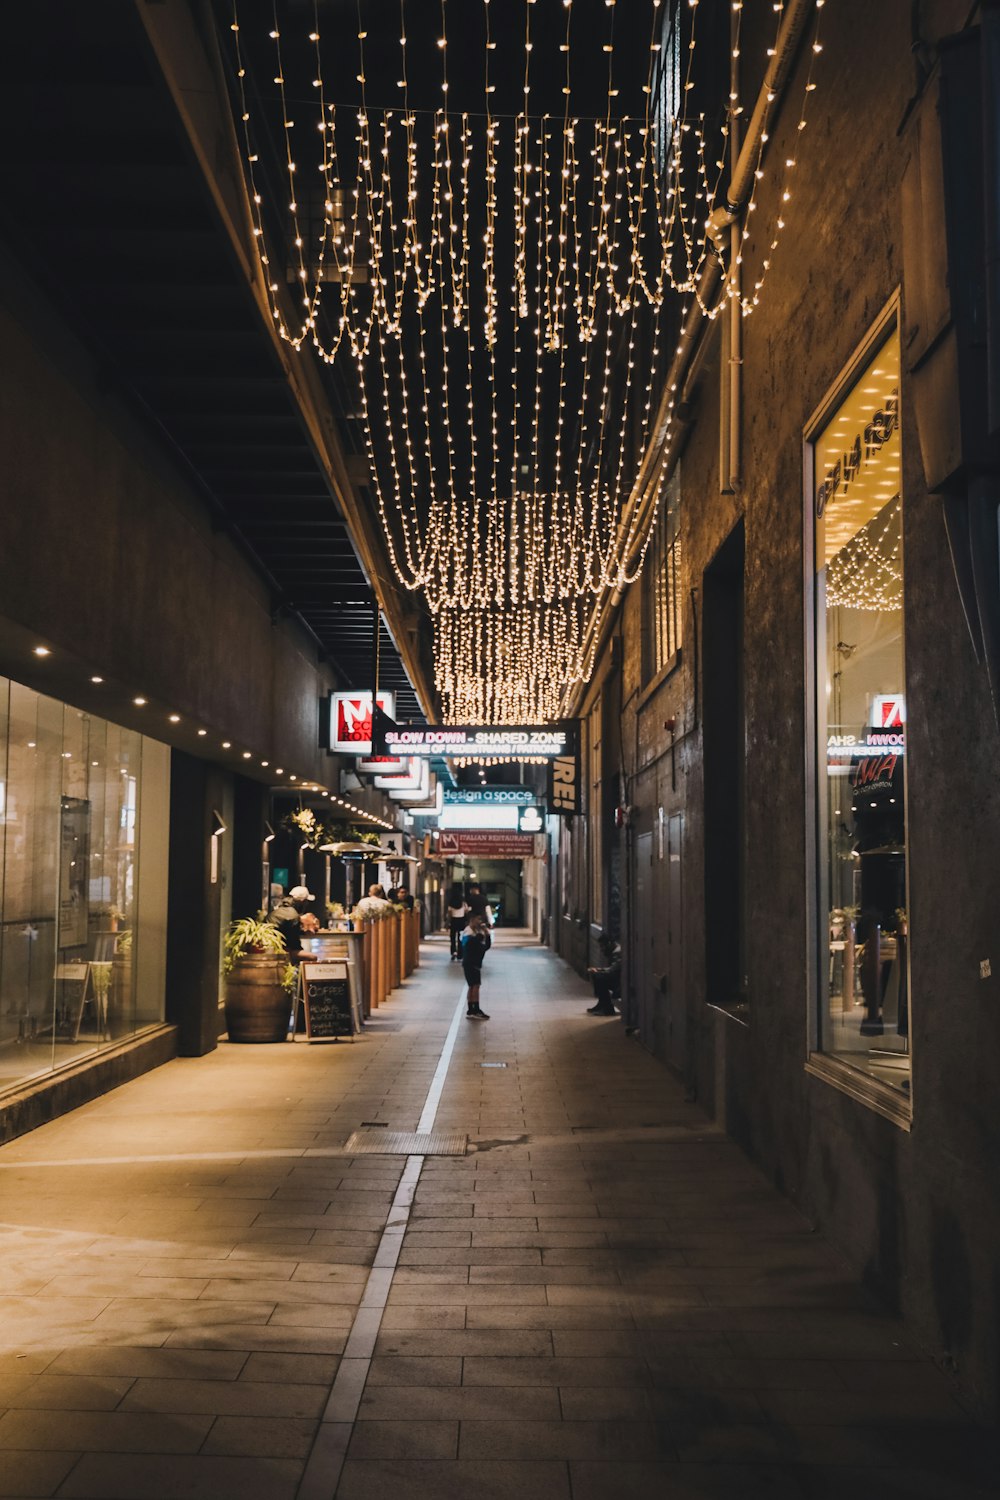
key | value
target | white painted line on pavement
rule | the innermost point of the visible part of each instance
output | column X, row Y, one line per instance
column 329, row 1450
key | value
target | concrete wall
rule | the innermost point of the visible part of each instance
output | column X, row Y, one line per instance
column 112, row 559
column 917, row 1212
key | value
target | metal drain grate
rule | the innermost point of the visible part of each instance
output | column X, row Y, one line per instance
column 407, row 1143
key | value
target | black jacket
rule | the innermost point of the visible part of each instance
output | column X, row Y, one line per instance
column 475, row 946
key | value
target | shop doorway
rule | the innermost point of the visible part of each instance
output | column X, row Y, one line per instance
column 675, row 1010
column 502, row 883
column 643, row 1014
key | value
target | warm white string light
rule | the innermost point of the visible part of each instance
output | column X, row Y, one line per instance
column 602, row 214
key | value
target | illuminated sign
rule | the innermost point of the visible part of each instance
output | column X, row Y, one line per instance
column 350, row 729
column 522, row 742
column 415, row 786
column 381, row 765
column 564, row 786
column 494, row 844
column 530, row 820
column 495, row 796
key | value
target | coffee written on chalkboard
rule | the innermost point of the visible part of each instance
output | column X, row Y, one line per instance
column 328, row 1001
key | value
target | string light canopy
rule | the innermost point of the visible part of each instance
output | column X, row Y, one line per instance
column 501, row 277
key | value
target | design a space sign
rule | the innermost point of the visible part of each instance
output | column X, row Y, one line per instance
column 350, row 725
column 519, row 742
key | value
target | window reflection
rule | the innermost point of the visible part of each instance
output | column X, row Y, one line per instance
column 861, row 715
column 69, row 862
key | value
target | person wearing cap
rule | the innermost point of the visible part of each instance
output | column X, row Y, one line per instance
column 286, row 915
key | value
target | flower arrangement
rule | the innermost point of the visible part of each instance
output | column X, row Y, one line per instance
column 305, row 822
column 372, row 909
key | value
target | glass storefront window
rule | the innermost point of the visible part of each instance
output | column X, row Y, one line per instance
column 861, row 719
column 70, row 788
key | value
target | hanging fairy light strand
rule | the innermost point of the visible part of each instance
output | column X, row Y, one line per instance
column 591, row 222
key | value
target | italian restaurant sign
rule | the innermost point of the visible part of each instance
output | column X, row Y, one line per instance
column 514, row 742
column 485, row 843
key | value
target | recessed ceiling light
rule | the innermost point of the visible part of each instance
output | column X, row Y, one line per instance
column 42, row 651
column 97, row 679
column 139, row 702
column 265, row 762
column 95, row 763
column 246, row 755
column 293, row 778
column 227, row 744
column 202, row 731
column 32, row 744
column 279, row 771
column 174, row 718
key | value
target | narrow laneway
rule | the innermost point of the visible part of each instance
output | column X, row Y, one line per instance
column 601, row 1297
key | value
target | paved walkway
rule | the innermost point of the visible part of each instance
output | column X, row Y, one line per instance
column 205, row 1297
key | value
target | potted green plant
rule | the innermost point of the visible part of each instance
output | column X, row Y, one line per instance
column 255, row 966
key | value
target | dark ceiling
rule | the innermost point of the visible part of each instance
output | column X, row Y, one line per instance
column 104, row 203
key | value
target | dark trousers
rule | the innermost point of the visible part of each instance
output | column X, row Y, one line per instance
column 603, row 990
column 457, row 928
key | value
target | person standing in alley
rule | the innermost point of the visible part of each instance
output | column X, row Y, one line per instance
column 458, row 915
column 476, row 942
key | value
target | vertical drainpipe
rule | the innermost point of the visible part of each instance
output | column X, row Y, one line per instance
column 732, row 328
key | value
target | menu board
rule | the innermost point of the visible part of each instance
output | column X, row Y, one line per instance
column 328, row 996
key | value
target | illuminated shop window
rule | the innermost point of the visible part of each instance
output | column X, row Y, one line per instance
column 861, row 719
column 663, row 583
column 69, row 861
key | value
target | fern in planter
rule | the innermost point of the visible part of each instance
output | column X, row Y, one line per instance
column 250, row 935
column 257, row 1000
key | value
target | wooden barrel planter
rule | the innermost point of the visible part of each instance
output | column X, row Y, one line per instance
column 257, row 1008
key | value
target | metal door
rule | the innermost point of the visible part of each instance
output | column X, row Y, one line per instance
column 675, row 997
column 642, row 943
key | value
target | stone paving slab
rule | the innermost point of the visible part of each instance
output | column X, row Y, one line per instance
column 602, row 1300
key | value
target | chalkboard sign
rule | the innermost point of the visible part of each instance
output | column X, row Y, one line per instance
column 327, row 995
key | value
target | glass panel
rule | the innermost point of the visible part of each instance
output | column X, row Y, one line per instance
column 69, row 802
column 864, row 1015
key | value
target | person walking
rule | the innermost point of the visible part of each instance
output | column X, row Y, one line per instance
column 458, row 915
column 476, row 942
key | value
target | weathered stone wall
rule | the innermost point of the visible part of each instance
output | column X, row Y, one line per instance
column 917, row 1212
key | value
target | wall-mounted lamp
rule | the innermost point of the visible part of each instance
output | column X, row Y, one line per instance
column 217, row 833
